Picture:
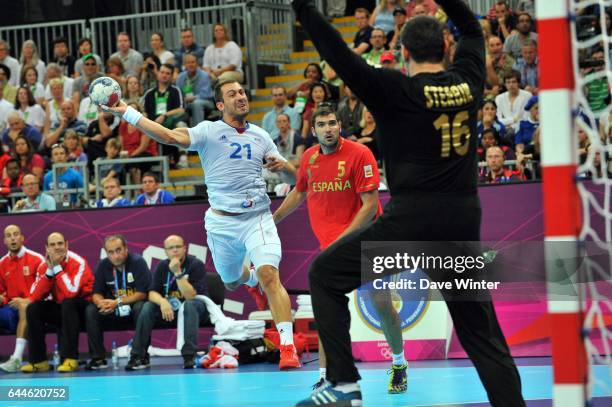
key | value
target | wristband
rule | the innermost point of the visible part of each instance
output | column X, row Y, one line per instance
column 132, row 115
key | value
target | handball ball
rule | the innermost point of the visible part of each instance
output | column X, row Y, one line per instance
column 105, row 91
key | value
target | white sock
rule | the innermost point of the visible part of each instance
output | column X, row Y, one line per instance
column 322, row 373
column 286, row 332
column 20, row 344
column 399, row 359
column 347, row 387
column 252, row 281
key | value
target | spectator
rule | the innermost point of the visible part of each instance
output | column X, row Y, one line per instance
column 490, row 120
column 159, row 49
column 66, row 178
column 382, row 17
column 85, row 48
column 332, row 81
column 279, row 99
column 301, row 91
column 11, row 63
column 120, row 289
column 29, row 56
column 524, row 137
column 188, row 45
column 29, row 161
column 72, row 142
column 150, row 71
column 361, row 42
column 132, row 60
column 107, row 171
column 197, row 89
column 81, row 84
column 111, row 189
column 514, row 43
column 88, row 111
column 68, row 121
column 35, row 201
column 223, row 58
column 9, row 92
column 498, row 63
column 496, row 173
column 527, row 6
column 12, row 182
column 164, row 104
column 28, row 109
column 17, row 274
column 290, row 146
column 135, row 144
column 5, row 108
column 377, row 40
column 336, row 8
column 429, row 7
column 133, row 93
column 54, row 71
column 98, row 132
column 67, row 277
column 318, row 94
column 393, row 37
column 511, row 104
column 29, row 79
column 18, row 127
column 62, row 57
column 176, row 282
column 504, row 22
column 369, row 133
column 597, row 90
column 490, row 137
column 115, row 70
column 527, row 65
column 349, row 113
column 152, row 193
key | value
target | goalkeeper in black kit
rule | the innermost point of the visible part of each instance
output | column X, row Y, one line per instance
column 427, row 126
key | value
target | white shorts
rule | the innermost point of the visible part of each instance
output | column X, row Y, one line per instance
column 231, row 238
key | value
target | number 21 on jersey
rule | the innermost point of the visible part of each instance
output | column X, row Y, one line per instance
column 458, row 131
column 237, row 153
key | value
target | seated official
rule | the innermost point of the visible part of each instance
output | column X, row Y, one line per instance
column 152, row 194
column 34, row 201
column 111, row 188
column 69, row 280
column 17, row 274
column 119, row 293
column 176, row 283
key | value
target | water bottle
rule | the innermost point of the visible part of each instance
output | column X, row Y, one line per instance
column 56, row 358
column 115, row 357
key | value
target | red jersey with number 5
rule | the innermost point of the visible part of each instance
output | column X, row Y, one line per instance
column 333, row 183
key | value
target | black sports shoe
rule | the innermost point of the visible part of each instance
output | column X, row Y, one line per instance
column 318, row 384
column 96, row 364
column 188, row 362
column 137, row 363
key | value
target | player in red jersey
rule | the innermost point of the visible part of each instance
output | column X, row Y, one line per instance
column 67, row 277
column 17, row 274
column 339, row 180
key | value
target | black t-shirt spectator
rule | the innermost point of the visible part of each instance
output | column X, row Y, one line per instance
column 510, row 23
column 174, row 100
column 363, row 35
column 134, row 277
column 163, row 278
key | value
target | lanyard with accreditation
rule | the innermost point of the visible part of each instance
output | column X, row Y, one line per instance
column 174, row 302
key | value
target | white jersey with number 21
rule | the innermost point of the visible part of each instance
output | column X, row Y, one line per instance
column 232, row 161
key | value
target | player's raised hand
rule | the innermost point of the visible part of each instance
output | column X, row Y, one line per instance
column 117, row 111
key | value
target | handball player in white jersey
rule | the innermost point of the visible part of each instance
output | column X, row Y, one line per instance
column 238, row 223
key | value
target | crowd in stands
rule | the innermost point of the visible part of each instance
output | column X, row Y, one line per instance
column 47, row 117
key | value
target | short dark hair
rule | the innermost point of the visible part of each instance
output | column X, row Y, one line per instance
column 423, row 37
column 219, row 86
column 362, row 10
column 152, row 175
column 324, row 110
column 160, row 35
column 317, row 66
column 84, row 40
column 6, row 70
column 115, row 237
column 512, row 73
column 167, row 65
column 12, row 161
column 60, row 40
column 493, row 132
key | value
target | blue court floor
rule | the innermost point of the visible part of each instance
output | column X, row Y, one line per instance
column 431, row 383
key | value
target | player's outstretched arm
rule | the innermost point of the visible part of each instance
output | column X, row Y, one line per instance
column 176, row 137
column 291, row 201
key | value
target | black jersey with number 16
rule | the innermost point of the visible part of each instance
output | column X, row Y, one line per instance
column 427, row 123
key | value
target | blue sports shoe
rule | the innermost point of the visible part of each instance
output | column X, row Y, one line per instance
column 327, row 395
